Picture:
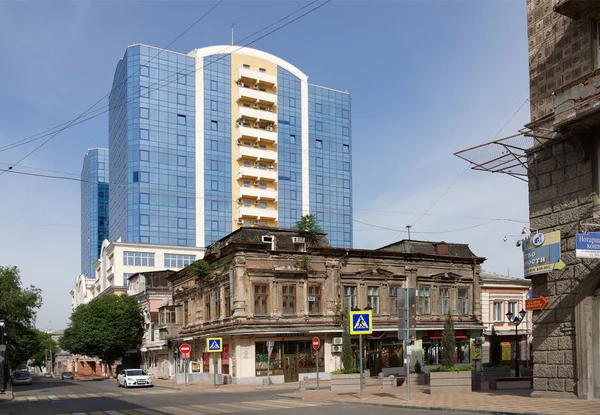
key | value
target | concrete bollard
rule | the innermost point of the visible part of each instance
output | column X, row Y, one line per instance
column 265, row 383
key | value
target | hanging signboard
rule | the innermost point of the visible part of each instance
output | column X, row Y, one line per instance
column 541, row 253
column 587, row 245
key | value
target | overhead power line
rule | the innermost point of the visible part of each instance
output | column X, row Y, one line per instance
column 88, row 114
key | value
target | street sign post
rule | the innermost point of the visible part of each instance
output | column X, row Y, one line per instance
column 270, row 345
column 407, row 324
column 185, row 350
column 316, row 343
column 361, row 322
column 214, row 345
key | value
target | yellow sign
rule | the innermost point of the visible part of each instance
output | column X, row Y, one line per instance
column 214, row 344
column 505, row 351
column 196, row 367
column 476, row 352
column 361, row 322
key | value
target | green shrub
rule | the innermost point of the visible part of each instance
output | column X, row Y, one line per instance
column 418, row 369
column 346, row 371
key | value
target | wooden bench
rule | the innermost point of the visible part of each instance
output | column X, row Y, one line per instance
column 523, row 382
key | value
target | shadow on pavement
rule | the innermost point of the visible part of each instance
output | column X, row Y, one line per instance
column 67, row 406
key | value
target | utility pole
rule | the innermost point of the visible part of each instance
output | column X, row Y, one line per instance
column 232, row 42
column 408, row 229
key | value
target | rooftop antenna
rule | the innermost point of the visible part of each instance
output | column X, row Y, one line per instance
column 408, row 229
column 232, row 42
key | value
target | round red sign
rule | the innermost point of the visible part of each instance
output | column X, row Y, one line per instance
column 316, row 343
column 185, row 348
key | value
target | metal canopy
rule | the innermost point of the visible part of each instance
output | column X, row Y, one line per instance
column 506, row 155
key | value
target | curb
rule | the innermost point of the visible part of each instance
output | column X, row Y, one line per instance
column 421, row 407
column 12, row 396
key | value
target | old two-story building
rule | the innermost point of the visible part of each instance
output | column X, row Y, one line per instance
column 501, row 294
column 267, row 284
column 152, row 290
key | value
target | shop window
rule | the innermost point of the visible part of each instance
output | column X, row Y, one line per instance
column 227, row 296
column 392, row 355
column 207, row 315
column 262, row 359
column 217, row 297
column 306, row 357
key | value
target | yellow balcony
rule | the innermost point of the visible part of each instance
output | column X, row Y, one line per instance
column 257, row 193
column 249, row 76
column 256, row 153
column 255, row 212
column 252, row 173
column 258, row 115
column 256, row 96
column 253, row 134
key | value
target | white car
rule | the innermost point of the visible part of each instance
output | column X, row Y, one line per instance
column 134, row 377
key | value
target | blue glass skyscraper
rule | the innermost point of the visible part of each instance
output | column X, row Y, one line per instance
column 94, row 207
column 223, row 137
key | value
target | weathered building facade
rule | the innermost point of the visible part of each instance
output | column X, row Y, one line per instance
column 268, row 284
column 564, row 186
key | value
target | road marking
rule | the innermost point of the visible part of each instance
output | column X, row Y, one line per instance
column 288, row 402
column 249, row 406
column 53, row 397
column 213, row 409
column 245, row 407
column 172, row 410
column 32, row 398
column 92, row 395
column 114, row 413
column 204, row 409
column 193, row 410
column 113, row 394
column 272, row 405
column 74, row 397
column 148, row 411
column 97, row 413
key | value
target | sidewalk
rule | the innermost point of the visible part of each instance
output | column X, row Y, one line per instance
column 7, row 395
column 209, row 387
column 497, row 402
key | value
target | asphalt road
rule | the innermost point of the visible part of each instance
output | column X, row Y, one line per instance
column 53, row 397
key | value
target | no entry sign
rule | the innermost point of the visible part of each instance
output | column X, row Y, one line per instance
column 316, row 343
column 185, row 348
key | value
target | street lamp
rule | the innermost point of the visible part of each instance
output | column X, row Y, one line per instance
column 516, row 320
column 360, row 346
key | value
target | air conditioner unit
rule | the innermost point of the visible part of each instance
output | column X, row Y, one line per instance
column 256, row 165
column 479, row 340
column 269, row 128
column 241, row 84
column 256, row 202
column 269, row 109
column 256, row 125
column 256, row 222
column 240, row 142
column 240, row 221
column 255, row 144
column 256, row 183
column 297, row 240
column 240, row 200
column 336, row 349
column 255, row 87
column 311, row 299
column 271, row 167
column 337, row 341
column 255, row 106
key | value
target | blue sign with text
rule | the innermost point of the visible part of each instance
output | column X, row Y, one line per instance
column 587, row 245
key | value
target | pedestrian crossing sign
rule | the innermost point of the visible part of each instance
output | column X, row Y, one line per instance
column 361, row 322
column 214, row 344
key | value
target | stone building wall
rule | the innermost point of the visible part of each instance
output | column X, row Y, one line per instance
column 561, row 50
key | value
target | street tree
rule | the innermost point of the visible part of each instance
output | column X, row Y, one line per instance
column 18, row 308
column 309, row 228
column 44, row 347
column 105, row 327
column 448, row 343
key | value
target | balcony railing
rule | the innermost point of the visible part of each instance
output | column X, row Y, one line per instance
column 256, row 95
column 254, row 212
column 257, row 134
column 255, row 192
column 255, row 153
column 250, row 76
column 257, row 114
column 256, row 174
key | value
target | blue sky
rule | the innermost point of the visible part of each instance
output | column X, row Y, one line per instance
column 427, row 78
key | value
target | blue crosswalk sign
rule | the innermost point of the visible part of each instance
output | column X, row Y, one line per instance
column 361, row 322
column 214, row 344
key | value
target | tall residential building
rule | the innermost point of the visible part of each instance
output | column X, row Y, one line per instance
column 94, row 207
column 204, row 143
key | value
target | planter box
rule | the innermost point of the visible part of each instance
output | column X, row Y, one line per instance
column 496, row 372
column 450, row 382
column 421, row 379
column 349, row 382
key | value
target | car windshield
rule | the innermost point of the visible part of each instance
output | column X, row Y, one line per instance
column 22, row 374
column 67, row 373
column 136, row 373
